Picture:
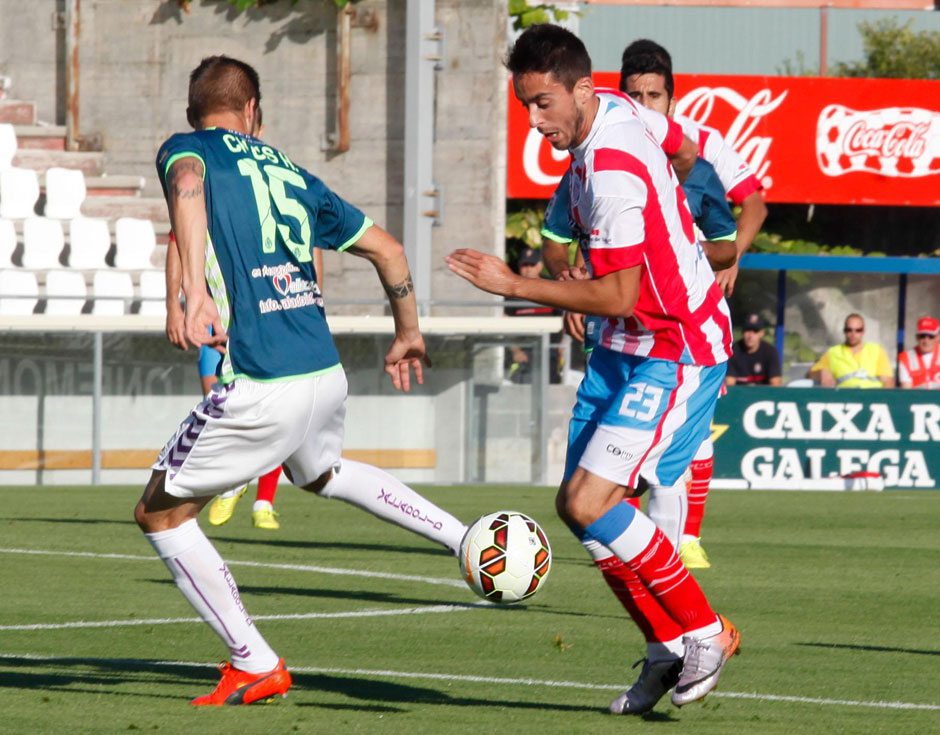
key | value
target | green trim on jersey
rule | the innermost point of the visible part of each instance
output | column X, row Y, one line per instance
column 557, row 238
column 286, row 379
column 366, row 224
column 732, row 236
column 177, row 156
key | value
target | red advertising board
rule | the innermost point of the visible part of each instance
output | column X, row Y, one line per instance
column 808, row 139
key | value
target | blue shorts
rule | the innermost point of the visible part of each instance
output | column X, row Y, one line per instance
column 209, row 360
column 639, row 416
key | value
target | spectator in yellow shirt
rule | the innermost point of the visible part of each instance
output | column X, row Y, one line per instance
column 854, row 363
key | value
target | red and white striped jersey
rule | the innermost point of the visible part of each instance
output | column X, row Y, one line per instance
column 736, row 177
column 667, row 131
column 625, row 194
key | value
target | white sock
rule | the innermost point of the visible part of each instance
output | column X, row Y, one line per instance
column 706, row 631
column 668, row 507
column 262, row 505
column 660, row 650
column 207, row 584
column 376, row 491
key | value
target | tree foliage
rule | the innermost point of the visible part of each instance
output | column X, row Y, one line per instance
column 894, row 52
column 524, row 15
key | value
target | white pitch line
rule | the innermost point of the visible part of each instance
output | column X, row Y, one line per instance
column 755, row 696
column 288, row 616
column 261, row 565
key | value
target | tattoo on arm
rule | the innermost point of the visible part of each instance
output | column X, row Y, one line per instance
column 400, row 290
column 180, row 167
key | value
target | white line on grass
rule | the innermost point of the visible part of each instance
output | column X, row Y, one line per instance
column 261, row 565
column 287, row 616
column 756, row 696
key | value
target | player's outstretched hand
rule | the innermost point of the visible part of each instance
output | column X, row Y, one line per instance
column 200, row 315
column 407, row 353
column 486, row 272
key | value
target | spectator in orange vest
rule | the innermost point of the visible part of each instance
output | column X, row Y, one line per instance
column 920, row 367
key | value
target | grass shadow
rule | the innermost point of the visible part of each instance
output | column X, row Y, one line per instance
column 876, row 649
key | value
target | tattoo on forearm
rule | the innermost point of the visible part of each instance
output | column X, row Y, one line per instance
column 400, row 290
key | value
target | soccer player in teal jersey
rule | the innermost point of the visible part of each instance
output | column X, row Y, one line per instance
column 246, row 218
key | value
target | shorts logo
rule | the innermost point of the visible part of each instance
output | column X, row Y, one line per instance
column 618, row 452
column 282, row 284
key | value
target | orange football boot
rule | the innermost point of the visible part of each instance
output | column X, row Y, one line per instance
column 240, row 687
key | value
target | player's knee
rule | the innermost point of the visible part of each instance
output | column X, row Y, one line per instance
column 574, row 507
column 141, row 516
column 560, row 504
column 318, row 485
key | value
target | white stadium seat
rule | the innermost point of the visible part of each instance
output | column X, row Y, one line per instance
column 65, row 192
column 89, row 243
column 19, row 190
column 43, row 243
column 7, row 242
column 135, row 241
column 153, row 293
column 65, row 292
column 19, row 292
column 113, row 292
column 7, row 145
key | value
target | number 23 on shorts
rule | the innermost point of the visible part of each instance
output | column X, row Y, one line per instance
column 641, row 402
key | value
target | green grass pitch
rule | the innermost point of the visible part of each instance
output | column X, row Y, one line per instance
column 837, row 596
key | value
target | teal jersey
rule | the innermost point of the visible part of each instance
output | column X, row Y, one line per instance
column 265, row 216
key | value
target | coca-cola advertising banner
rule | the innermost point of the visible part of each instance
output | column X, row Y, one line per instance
column 810, row 140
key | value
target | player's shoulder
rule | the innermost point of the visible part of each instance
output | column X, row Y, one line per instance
column 176, row 145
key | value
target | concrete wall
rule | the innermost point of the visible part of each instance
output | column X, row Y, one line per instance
column 136, row 55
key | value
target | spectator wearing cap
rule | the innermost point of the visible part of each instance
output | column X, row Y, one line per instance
column 920, row 367
column 753, row 361
column 854, row 363
column 529, row 265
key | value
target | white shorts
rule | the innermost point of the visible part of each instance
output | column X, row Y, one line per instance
column 245, row 429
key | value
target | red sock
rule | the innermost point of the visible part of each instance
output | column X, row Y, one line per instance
column 267, row 485
column 646, row 612
column 698, row 493
column 667, row 579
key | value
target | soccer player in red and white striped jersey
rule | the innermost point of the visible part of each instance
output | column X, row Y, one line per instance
column 649, row 392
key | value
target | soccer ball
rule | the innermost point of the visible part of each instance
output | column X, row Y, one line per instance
column 505, row 556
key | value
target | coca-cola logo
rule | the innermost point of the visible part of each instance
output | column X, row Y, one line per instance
column 892, row 141
column 902, row 139
column 699, row 104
